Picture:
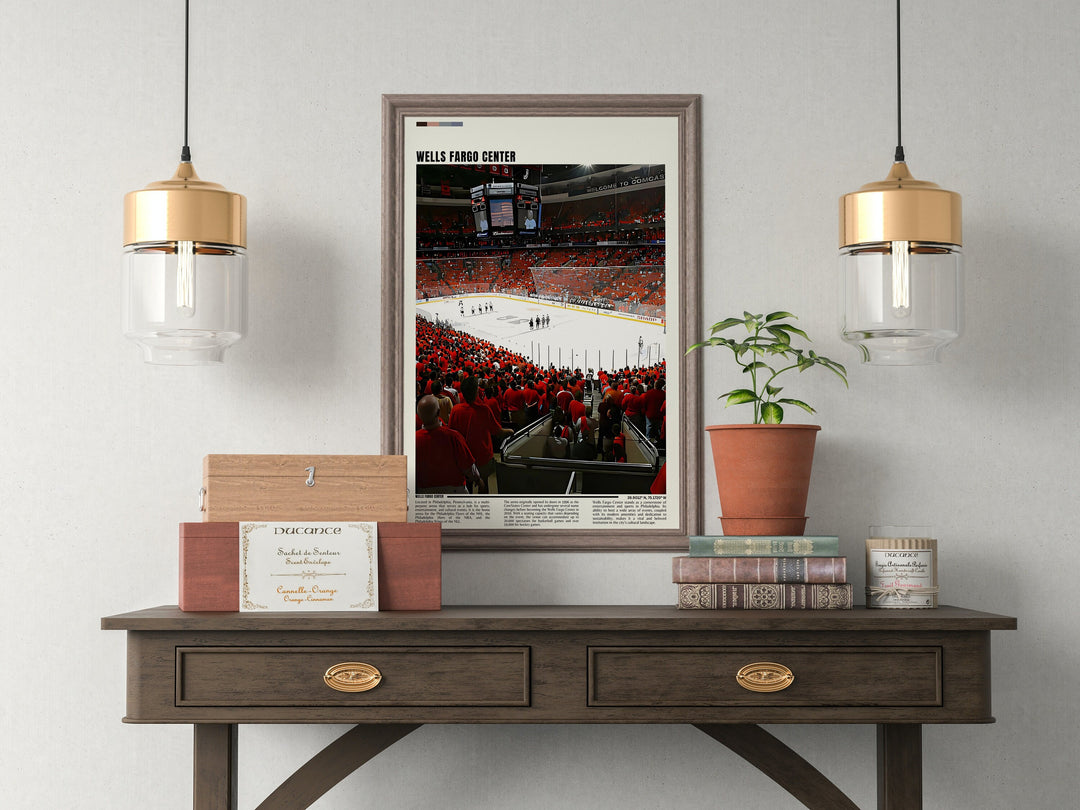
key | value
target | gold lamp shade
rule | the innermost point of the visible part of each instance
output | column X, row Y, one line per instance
column 900, row 208
column 185, row 208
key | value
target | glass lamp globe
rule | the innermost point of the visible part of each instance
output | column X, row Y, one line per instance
column 185, row 269
column 901, row 270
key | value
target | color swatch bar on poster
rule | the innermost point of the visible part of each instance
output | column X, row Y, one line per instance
column 440, row 123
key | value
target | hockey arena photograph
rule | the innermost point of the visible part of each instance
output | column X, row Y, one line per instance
column 541, row 334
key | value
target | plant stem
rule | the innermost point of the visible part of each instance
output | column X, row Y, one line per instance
column 778, row 373
column 753, row 381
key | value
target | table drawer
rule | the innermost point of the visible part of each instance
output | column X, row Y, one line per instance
column 410, row 676
column 822, row 676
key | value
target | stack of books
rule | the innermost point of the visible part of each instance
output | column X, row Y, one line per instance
column 762, row 573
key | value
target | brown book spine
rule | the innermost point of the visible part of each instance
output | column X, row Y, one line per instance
column 758, row 569
column 765, row 596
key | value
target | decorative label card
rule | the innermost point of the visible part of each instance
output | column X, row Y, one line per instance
column 309, row 566
column 901, row 572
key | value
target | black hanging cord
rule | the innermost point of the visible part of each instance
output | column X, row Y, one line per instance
column 899, row 156
column 185, row 151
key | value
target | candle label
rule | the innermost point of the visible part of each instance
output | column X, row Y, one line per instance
column 901, row 573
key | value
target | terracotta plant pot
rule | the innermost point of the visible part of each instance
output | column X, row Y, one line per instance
column 763, row 476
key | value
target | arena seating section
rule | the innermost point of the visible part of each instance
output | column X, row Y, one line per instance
column 629, row 278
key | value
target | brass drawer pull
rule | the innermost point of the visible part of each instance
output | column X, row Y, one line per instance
column 352, row 677
column 765, row 676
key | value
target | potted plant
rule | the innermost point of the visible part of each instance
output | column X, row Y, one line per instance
column 763, row 469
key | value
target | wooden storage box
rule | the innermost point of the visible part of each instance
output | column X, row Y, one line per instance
column 282, row 488
column 410, row 566
column 209, row 566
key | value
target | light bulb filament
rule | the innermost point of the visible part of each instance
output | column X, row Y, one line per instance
column 185, row 278
column 901, row 279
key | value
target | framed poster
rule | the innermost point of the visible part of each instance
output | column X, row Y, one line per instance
column 540, row 288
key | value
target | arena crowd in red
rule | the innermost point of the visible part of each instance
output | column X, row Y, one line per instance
column 468, row 376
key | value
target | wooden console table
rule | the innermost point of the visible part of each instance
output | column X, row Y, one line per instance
column 898, row 669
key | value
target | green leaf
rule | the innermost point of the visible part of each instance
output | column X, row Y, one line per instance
column 775, row 316
column 779, row 333
column 754, row 367
column 758, row 350
column 797, row 331
column 727, row 323
column 799, row 403
column 839, row 374
column 835, row 367
column 774, row 390
column 772, row 414
column 739, row 396
column 804, row 364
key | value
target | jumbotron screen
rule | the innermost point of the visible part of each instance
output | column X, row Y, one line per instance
column 502, row 213
column 528, row 208
column 505, row 209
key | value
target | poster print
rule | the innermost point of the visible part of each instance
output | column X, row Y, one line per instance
column 543, row 378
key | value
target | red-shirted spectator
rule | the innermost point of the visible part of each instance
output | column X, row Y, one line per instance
column 564, row 398
column 491, row 401
column 532, row 400
column 515, row 404
column 443, row 460
column 576, row 410
column 633, row 408
column 654, row 403
column 474, row 421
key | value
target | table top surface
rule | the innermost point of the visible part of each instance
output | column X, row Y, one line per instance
column 565, row 618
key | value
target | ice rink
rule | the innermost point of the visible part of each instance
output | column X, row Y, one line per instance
column 575, row 338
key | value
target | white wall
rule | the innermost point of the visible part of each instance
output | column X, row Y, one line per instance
column 100, row 454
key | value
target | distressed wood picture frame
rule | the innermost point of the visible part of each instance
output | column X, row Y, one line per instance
column 506, row 137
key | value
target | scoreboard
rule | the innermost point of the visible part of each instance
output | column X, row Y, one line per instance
column 527, row 205
column 504, row 209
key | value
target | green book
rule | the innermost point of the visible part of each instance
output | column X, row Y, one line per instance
column 764, row 546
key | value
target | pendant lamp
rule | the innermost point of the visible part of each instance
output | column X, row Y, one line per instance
column 185, row 263
column 901, row 263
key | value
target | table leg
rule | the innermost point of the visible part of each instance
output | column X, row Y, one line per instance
column 899, row 766
column 781, row 764
column 328, row 767
column 215, row 767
